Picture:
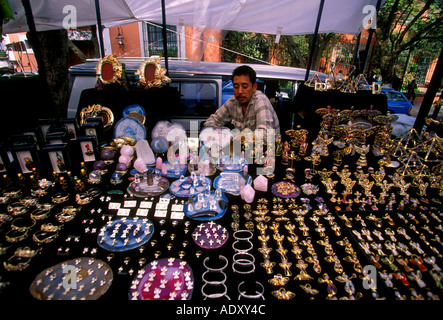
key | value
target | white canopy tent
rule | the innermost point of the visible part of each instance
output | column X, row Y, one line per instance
column 287, row 17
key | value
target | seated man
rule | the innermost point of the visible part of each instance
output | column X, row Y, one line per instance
column 248, row 108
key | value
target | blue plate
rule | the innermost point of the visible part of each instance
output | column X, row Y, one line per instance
column 185, row 189
column 131, row 240
column 226, row 185
column 220, row 211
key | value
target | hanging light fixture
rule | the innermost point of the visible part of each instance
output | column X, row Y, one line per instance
column 119, row 38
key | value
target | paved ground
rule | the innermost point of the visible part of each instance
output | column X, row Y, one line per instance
column 416, row 108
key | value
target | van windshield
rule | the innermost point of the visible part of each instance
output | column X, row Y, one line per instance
column 199, row 98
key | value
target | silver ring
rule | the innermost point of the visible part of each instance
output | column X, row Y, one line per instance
column 258, row 295
column 238, row 235
column 216, row 269
column 214, row 282
column 242, row 250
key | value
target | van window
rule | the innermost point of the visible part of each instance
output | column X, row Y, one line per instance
column 198, row 97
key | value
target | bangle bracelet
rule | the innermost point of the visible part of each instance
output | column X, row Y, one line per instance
column 214, row 282
column 19, row 226
column 94, row 192
column 19, row 255
column 63, row 217
column 216, row 269
column 40, row 214
column 17, row 208
column 13, row 194
column 39, row 192
column 216, row 295
column 243, row 261
column 243, row 235
column 82, row 198
column 257, row 294
column 41, row 236
column 16, row 236
column 60, row 198
column 28, row 201
column 244, row 268
column 236, row 244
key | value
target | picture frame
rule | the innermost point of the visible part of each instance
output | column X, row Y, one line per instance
column 25, row 158
column 109, row 70
column 44, row 125
column 151, row 74
column 87, row 149
column 92, row 129
column 5, row 162
column 57, row 158
column 72, row 127
column 56, row 138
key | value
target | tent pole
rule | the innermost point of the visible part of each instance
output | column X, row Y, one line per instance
column 165, row 44
column 314, row 39
column 99, row 28
column 430, row 94
column 357, row 46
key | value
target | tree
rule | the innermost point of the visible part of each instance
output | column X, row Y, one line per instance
column 55, row 58
column 404, row 25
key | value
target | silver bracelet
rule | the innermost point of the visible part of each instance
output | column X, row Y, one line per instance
column 214, row 282
column 243, row 235
column 236, row 249
column 257, row 294
column 243, row 261
column 216, row 269
column 215, row 295
column 243, row 266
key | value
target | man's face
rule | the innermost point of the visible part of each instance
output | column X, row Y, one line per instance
column 243, row 89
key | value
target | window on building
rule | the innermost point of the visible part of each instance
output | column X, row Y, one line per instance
column 155, row 40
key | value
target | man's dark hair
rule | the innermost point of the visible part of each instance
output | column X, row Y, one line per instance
column 245, row 70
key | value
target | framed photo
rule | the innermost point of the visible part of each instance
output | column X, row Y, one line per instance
column 44, row 125
column 72, row 127
column 87, row 147
column 36, row 133
column 57, row 138
column 58, row 157
column 4, row 159
column 93, row 129
column 25, row 157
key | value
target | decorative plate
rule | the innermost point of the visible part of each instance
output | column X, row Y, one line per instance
column 142, row 190
column 133, row 108
column 164, row 279
column 210, row 235
column 285, row 189
column 77, row 279
column 229, row 163
column 185, row 187
column 226, row 182
column 125, row 234
column 130, row 128
column 208, row 214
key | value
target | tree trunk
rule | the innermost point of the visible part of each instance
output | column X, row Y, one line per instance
column 55, row 56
